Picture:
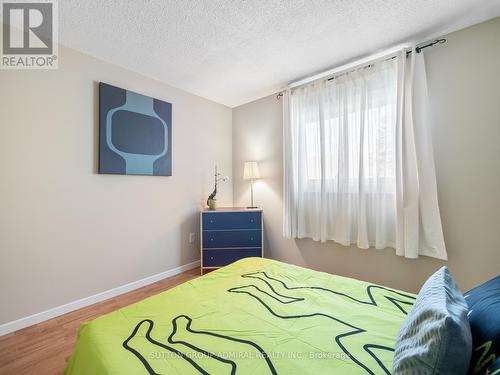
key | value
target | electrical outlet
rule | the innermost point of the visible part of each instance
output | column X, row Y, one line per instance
column 191, row 237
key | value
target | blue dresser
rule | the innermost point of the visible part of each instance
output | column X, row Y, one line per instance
column 229, row 234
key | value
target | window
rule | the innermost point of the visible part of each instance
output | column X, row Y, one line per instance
column 346, row 157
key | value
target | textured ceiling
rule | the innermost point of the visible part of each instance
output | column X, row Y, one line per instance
column 236, row 51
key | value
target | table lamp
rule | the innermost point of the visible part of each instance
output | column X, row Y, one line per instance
column 251, row 172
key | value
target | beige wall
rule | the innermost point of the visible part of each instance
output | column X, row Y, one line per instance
column 67, row 232
column 464, row 88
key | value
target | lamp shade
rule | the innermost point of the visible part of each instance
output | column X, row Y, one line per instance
column 251, row 170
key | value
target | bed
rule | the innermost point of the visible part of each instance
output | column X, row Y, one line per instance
column 255, row 316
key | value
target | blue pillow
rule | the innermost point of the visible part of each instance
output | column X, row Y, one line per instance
column 435, row 338
column 484, row 319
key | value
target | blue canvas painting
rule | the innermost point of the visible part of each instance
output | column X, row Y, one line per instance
column 135, row 133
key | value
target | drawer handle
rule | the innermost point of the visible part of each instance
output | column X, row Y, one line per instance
column 251, row 238
column 212, row 239
column 211, row 221
column 251, row 220
column 211, row 258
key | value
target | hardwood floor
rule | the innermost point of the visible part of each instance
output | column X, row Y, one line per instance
column 45, row 348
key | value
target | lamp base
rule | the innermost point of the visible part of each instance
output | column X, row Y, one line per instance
column 252, row 207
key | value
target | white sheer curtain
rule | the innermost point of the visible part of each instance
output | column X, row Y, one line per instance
column 358, row 162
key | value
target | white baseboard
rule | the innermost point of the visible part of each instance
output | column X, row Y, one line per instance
column 87, row 301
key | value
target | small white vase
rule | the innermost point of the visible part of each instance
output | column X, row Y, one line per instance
column 212, row 204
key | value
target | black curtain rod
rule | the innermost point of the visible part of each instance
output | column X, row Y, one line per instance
column 418, row 49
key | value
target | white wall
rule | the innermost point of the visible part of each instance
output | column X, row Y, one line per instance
column 464, row 88
column 67, row 232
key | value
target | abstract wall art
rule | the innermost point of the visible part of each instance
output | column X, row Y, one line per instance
column 135, row 133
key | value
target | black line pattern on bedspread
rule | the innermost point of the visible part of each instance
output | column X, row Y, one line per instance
column 193, row 363
column 355, row 330
column 280, row 298
column 247, row 342
column 369, row 289
column 154, row 342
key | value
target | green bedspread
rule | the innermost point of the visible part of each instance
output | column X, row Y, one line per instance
column 255, row 316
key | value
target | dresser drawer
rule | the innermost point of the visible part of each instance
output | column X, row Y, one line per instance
column 220, row 258
column 232, row 238
column 231, row 220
